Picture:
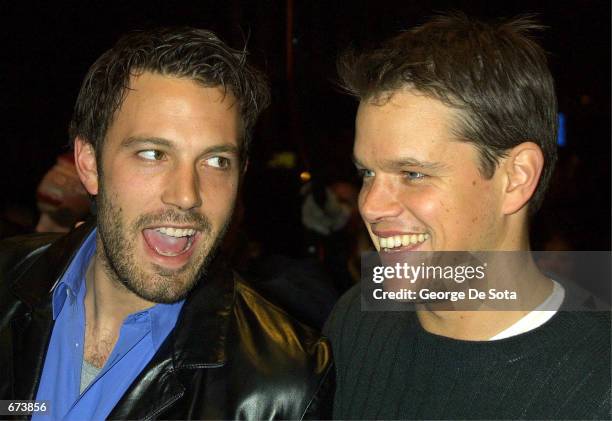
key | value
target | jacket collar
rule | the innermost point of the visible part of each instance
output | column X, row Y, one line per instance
column 31, row 281
column 199, row 336
column 32, row 285
column 201, row 331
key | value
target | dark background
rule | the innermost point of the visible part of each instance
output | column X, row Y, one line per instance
column 48, row 47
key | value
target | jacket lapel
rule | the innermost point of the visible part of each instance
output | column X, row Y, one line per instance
column 31, row 336
column 30, row 329
column 201, row 331
column 155, row 389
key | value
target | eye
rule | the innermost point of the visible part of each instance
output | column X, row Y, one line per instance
column 414, row 175
column 365, row 173
column 220, row 162
column 151, row 155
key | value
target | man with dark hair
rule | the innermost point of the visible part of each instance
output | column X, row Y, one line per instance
column 135, row 315
column 455, row 142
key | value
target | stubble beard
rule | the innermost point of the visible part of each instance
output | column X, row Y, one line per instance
column 116, row 247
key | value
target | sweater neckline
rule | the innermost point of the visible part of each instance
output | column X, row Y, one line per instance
column 553, row 333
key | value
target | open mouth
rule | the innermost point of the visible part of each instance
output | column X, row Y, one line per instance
column 170, row 241
column 394, row 242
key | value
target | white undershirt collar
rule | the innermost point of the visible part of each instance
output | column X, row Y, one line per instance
column 536, row 318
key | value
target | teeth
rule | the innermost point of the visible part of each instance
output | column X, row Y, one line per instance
column 402, row 240
column 176, row 232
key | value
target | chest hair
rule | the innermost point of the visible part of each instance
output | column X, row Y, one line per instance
column 98, row 346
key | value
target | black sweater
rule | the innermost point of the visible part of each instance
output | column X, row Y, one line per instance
column 388, row 367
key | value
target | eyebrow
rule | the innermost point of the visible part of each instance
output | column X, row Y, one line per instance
column 137, row 140
column 160, row 141
column 357, row 162
column 401, row 163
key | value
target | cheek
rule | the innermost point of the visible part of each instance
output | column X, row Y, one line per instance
column 451, row 213
column 480, row 200
column 137, row 192
column 219, row 195
column 474, row 209
column 424, row 203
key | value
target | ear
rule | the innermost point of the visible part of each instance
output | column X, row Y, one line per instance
column 523, row 167
column 86, row 165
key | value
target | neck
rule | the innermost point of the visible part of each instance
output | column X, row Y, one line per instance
column 483, row 319
column 478, row 325
column 107, row 303
column 109, row 300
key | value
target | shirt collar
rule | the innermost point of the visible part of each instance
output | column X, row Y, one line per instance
column 71, row 282
column 162, row 317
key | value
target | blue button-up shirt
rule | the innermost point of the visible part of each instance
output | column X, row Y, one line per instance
column 140, row 337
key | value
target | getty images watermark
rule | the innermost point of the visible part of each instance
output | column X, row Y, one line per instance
column 411, row 274
column 486, row 281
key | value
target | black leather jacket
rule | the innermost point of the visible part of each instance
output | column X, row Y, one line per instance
column 231, row 355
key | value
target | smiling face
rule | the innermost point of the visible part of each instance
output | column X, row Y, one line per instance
column 422, row 189
column 166, row 184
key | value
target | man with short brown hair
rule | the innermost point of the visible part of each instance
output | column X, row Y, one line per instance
column 455, row 143
column 134, row 315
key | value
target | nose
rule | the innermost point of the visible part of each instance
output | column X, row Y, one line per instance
column 182, row 188
column 378, row 201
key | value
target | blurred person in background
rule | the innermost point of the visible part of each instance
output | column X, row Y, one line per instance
column 61, row 198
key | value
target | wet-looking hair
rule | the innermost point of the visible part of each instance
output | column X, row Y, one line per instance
column 494, row 75
column 182, row 52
